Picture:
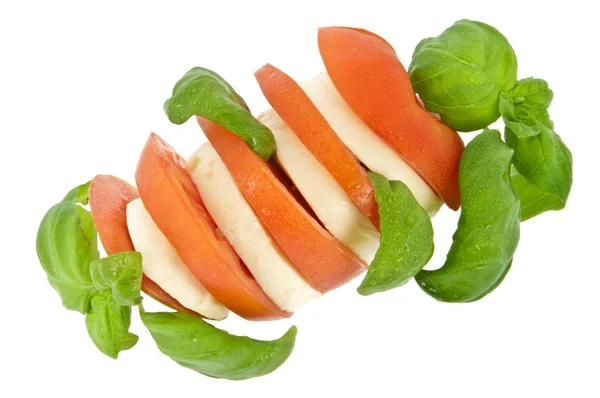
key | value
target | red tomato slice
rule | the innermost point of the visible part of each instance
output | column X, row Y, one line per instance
column 366, row 71
column 109, row 197
column 297, row 110
column 175, row 205
column 318, row 256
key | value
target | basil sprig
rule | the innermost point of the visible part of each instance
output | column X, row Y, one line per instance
column 488, row 228
column 406, row 237
column 102, row 289
column 121, row 275
column 543, row 164
column 197, row 345
column 202, row 92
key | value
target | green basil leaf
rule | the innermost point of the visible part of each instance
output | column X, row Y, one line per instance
column 542, row 160
column 80, row 194
column 488, row 228
column 121, row 274
column 202, row 92
column 532, row 93
column 66, row 244
column 533, row 201
column 406, row 237
column 461, row 73
column 197, row 345
column 108, row 324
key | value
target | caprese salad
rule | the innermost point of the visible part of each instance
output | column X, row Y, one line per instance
column 339, row 177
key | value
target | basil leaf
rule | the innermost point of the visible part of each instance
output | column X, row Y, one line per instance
column 66, row 244
column 488, row 228
column 80, row 194
column 532, row 93
column 461, row 73
column 197, row 345
column 542, row 160
column 121, row 274
column 533, row 201
column 406, row 237
column 108, row 324
column 202, row 92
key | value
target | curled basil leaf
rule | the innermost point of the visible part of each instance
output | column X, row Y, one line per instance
column 543, row 163
column 108, row 324
column 461, row 73
column 488, row 228
column 406, row 237
column 202, row 92
column 66, row 244
column 197, row 345
column 535, row 95
column 121, row 274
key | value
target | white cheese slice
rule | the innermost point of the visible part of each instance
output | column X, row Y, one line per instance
column 366, row 145
column 342, row 218
column 162, row 264
column 234, row 216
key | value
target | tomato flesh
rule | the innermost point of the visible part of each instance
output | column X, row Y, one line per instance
column 109, row 197
column 175, row 205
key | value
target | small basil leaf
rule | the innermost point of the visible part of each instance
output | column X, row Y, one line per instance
column 488, row 228
column 121, row 274
column 108, row 325
column 130, row 341
column 520, row 120
column 202, row 92
column 197, row 345
column 406, row 237
column 66, row 244
column 532, row 93
column 80, row 194
column 543, row 161
column 461, row 73
column 533, row 201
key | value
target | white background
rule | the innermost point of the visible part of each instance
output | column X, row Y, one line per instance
column 82, row 86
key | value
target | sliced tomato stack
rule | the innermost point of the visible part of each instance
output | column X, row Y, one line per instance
column 323, row 261
column 367, row 73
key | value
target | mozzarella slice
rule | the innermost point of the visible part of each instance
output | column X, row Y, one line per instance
column 271, row 268
column 329, row 201
column 366, row 145
column 162, row 264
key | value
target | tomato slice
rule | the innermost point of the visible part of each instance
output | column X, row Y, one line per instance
column 109, row 197
column 297, row 110
column 174, row 204
column 368, row 74
column 318, row 256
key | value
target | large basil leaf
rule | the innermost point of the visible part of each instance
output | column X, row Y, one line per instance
column 202, row 92
column 66, row 245
column 488, row 229
column 195, row 344
column 461, row 73
column 406, row 237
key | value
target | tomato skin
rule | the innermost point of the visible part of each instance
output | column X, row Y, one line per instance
column 323, row 261
column 109, row 197
column 297, row 110
column 368, row 74
column 171, row 198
